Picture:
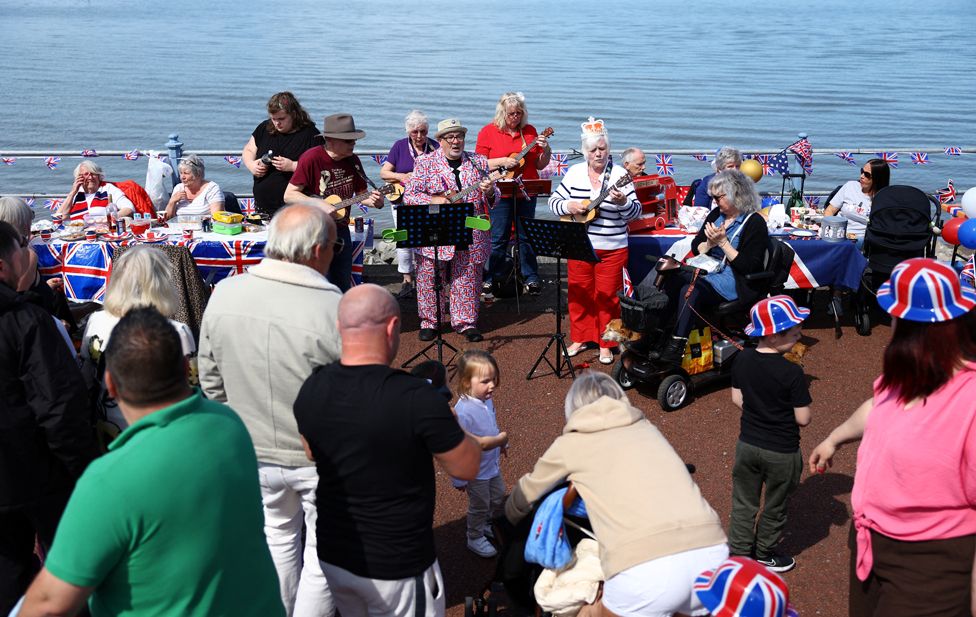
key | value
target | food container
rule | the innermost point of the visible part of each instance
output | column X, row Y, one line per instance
column 231, row 229
column 227, row 217
column 833, row 228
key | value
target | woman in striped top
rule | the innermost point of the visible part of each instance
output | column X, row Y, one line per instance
column 593, row 287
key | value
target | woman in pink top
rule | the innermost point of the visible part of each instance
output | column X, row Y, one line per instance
column 914, row 496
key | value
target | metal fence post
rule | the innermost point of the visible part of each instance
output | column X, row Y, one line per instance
column 175, row 147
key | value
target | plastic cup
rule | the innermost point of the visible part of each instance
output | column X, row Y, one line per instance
column 139, row 227
column 91, row 235
column 57, row 220
column 187, row 234
column 45, row 234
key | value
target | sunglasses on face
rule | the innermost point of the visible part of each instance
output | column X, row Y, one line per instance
column 866, row 174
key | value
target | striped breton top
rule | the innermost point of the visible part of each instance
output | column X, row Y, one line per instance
column 608, row 230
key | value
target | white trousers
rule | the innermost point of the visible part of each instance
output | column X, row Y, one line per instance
column 288, row 495
column 356, row 596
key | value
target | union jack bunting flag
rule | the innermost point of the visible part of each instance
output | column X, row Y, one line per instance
column 52, row 204
column 628, row 286
column 953, row 151
column 920, row 158
column 948, row 194
column 52, row 162
column 132, row 155
column 766, row 161
column 664, row 166
column 804, row 154
column 86, row 267
column 246, row 204
column 968, row 274
column 29, row 201
column 701, row 156
column 9, row 160
column 557, row 166
column 846, row 156
column 218, row 260
column 813, row 201
column 88, row 153
column 379, row 158
column 779, row 164
column 889, row 157
column 233, row 160
column 740, row 586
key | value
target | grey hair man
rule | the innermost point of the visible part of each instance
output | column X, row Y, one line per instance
column 263, row 334
column 633, row 160
column 727, row 157
column 373, row 443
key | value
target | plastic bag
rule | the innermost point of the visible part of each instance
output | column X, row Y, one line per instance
column 692, row 218
column 159, row 180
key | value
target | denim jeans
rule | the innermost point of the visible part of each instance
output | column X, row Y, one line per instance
column 288, row 495
column 502, row 216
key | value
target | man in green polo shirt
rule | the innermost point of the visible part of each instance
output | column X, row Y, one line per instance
column 169, row 521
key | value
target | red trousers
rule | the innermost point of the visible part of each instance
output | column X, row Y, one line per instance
column 593, row 298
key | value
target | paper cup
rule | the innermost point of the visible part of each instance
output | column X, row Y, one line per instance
column 91, row 235
column 45, row 234
column 57, row 220
column 187, row 234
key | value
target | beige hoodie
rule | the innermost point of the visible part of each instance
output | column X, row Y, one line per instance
column 641, row 500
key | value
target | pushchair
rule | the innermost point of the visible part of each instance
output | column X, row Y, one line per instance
column 899, row 228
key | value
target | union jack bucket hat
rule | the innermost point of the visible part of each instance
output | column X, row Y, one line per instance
column 925, row 290
column 776, row 314
column 742, row 587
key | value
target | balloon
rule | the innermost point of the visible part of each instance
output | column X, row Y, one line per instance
column 754, row 170
column 950, row 231
column 967, row 234
column 969, row 203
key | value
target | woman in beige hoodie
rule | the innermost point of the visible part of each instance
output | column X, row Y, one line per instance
column 656, row 531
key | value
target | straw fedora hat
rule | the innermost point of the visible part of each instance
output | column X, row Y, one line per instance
column 450, row 125
column 341, row 126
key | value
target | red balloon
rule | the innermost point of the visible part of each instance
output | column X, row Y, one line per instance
column 950, row 231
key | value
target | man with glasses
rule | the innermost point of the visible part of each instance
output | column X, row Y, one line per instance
column 435, row 177
column 263, row 334
column 47, row 438
column 333, row 171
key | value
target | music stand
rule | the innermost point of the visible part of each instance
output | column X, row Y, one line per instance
column 435, row 225
column 561, row 240
column 511, row 190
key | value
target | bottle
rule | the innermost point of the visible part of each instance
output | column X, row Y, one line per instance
column 109, row 215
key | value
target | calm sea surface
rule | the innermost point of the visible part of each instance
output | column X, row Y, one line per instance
column 113, row 75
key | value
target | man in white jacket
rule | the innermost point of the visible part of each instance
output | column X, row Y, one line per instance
column 263, row 334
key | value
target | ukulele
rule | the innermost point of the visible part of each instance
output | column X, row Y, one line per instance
column 520, row 156
column 593, row 206
column 455, row 197
column 342, row 205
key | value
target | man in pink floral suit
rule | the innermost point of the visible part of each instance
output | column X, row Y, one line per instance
column 452, row 169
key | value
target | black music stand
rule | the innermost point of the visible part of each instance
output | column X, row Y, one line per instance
column 435, row 225
column 561, row 240
column 512, row 190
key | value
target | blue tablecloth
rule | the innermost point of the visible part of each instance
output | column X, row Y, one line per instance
column 818, row 263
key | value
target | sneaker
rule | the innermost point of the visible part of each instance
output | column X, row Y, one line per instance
column 489, row 533
column 486, row 287
column 427, row 334
column 778, row 563
column 481, row 547
column 534, row 288
column 406, row 292
column 473, row 335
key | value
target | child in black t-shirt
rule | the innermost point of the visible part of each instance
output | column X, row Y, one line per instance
column 775, row 401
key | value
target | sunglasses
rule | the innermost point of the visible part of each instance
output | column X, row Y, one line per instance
column 717, row 197
column 866, row 174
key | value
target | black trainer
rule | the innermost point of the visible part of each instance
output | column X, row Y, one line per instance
column 778, row 563
column 473, row 335
column 427, row 334
column 534, row 288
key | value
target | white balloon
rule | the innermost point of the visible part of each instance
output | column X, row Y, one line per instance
column 969, row 203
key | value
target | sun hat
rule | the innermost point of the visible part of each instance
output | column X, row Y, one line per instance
column 925, row 290
column 776, row 314
column 742, row 587
column 449, row 125
column 341, row 126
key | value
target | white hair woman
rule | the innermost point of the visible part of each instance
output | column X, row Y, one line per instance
column 726, row 158
column 593, row 288
column 735, row 235
column 92, row 196
column 194, row 195
column 650, row 555
column 398, row 167
column 506, row 135
column 140, row 277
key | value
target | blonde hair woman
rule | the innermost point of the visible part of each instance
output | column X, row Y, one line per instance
column 141, row 277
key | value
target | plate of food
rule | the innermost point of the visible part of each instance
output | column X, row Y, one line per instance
column 73, row 235
column 117, row 237
column 803, row 233
column 152, row 237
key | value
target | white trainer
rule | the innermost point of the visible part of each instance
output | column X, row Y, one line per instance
column 481, row 547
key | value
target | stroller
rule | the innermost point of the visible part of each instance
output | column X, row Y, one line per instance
column 899, row 228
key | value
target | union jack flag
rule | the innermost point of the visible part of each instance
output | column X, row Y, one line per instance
column 9, row 160
column 740, row 586
column 88, row 153
column 246, row 204
column 86, row 267
column 804, row 154
column 968, row 274
column 763, row 159
column 52, row 162
column 664, row 165
column 780, row 164
column 948, row 194
column 813, row 201
column 233, row 160
column 628, row 286
column 844, row 155
column 29, row 201
column 889, row 157
column 379, row 158
column 920, row 158
column 558, row 166
column 953, row 151
column 132, row 155
column 701, row 156
column 218, row 260
column 48, row 258
column 52, row 204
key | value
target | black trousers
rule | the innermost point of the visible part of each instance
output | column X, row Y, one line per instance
column 702, row 296
column 18, row 564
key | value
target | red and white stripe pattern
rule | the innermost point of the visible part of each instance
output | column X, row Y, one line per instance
column 628, row 285
column 924, row 290
column 744, row 588
column 776, row 314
